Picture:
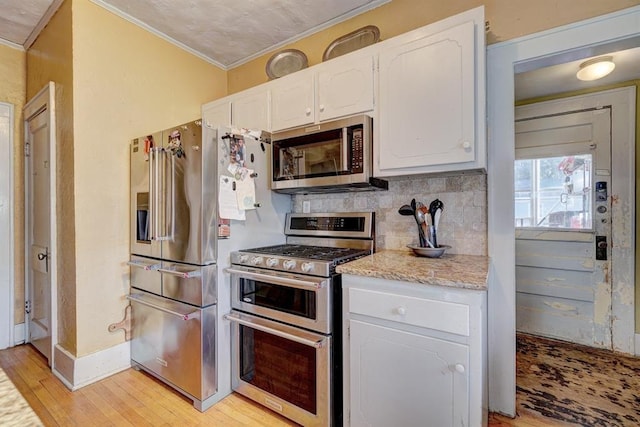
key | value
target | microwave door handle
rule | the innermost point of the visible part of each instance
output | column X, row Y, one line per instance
column 272, row 278
column 319, row 343
column 345, row 149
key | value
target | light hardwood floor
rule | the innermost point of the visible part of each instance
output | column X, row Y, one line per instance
column 132, row 398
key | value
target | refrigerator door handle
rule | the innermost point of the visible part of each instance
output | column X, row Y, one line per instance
column 163, row 233
column 183, row 316
column 155, row 194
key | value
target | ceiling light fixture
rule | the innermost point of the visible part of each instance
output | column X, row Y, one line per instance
column 596, row 68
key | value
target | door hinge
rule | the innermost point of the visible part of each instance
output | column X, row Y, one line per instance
column 27, row 307
column 27, row 149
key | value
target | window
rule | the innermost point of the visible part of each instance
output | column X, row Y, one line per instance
column 554, row 192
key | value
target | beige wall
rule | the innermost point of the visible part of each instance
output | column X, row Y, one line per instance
column 508, row 19
column 126, row 84
column 13, row 90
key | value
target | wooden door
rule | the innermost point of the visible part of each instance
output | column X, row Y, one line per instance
column 563, row 226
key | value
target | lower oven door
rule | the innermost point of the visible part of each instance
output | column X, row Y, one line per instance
column 282, row 367
column 175, row 342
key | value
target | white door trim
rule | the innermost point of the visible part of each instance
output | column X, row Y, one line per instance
column 7, row 274
column 501, row 59
column 45, row 99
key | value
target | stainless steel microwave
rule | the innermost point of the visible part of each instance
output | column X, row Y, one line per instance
column 333, row 156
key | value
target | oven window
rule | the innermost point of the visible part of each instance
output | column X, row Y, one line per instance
column 284, row 368
column 286, row 299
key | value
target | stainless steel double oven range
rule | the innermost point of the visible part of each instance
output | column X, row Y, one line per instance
column 287, row 315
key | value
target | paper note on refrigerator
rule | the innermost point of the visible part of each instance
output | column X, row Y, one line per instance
column 227, row 201
column 246, row 191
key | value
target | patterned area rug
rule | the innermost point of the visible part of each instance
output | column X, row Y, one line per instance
column 14, row 410
column 577, row 385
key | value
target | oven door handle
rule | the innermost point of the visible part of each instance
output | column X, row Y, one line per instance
column 262, row 325
column 183, row 316
column 279, row 280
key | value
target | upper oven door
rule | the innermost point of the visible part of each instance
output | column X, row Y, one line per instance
column 302, row 301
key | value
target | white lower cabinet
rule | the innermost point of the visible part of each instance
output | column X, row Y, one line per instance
column 414, row 355
column 406, row 379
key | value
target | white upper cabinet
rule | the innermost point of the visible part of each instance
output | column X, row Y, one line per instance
column 431, row 99
column 292, row 100
column 337, row 88
column 250, row 109
column 345, row 87
column 217, row 113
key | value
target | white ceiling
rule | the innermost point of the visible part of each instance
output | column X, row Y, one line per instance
column 224, row 32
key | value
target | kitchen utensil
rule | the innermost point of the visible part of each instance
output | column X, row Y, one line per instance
column 423, row 215
column 433, row 207
column 419, row 220
column 429, row 252
column 405, row 210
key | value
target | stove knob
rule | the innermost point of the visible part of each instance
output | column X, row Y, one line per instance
column 243, row 259
column 306, row 267
column 289, row 264
column 256, row 260
column 272, row 262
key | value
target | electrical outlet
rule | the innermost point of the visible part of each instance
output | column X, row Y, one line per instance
column 306, row 206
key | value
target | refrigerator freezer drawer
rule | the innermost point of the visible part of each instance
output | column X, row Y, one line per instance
column 143, row 274
column 176, row 342
column 188, row 283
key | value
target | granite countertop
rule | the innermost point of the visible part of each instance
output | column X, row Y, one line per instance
column 457, row 271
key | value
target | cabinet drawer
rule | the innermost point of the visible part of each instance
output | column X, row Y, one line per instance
column 426, row 313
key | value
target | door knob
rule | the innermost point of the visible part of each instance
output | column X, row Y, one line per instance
column 42, row 256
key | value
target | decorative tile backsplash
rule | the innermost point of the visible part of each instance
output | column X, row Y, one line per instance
column 463, row 224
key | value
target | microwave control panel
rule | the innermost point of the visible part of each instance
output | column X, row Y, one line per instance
column 357, row 151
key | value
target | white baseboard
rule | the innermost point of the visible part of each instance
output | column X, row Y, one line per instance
column 19, row 334
column 637, row 340
column 77, row 372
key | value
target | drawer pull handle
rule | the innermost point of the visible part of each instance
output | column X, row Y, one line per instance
column 183, row 316
column 459, row 368
column 401, row 311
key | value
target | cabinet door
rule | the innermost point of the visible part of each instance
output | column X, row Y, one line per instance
column 403, row 379
column 251, row 111
column 292, row 101
column 345, row 88
column 217, row 113
column 427, row 101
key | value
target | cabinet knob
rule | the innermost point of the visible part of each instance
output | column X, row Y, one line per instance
column 459, row 368
column 401, row 311
column 307, row 111
column 466, row 145
column 321, row 107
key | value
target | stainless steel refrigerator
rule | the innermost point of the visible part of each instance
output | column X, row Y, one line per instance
column 179, row 291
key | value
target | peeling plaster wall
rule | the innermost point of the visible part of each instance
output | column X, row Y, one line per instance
column 49, row 59
column 13, row 69
column 127, row 82
column 508, row 19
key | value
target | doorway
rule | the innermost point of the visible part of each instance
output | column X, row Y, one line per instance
column 40, row 222
column 582, row 39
